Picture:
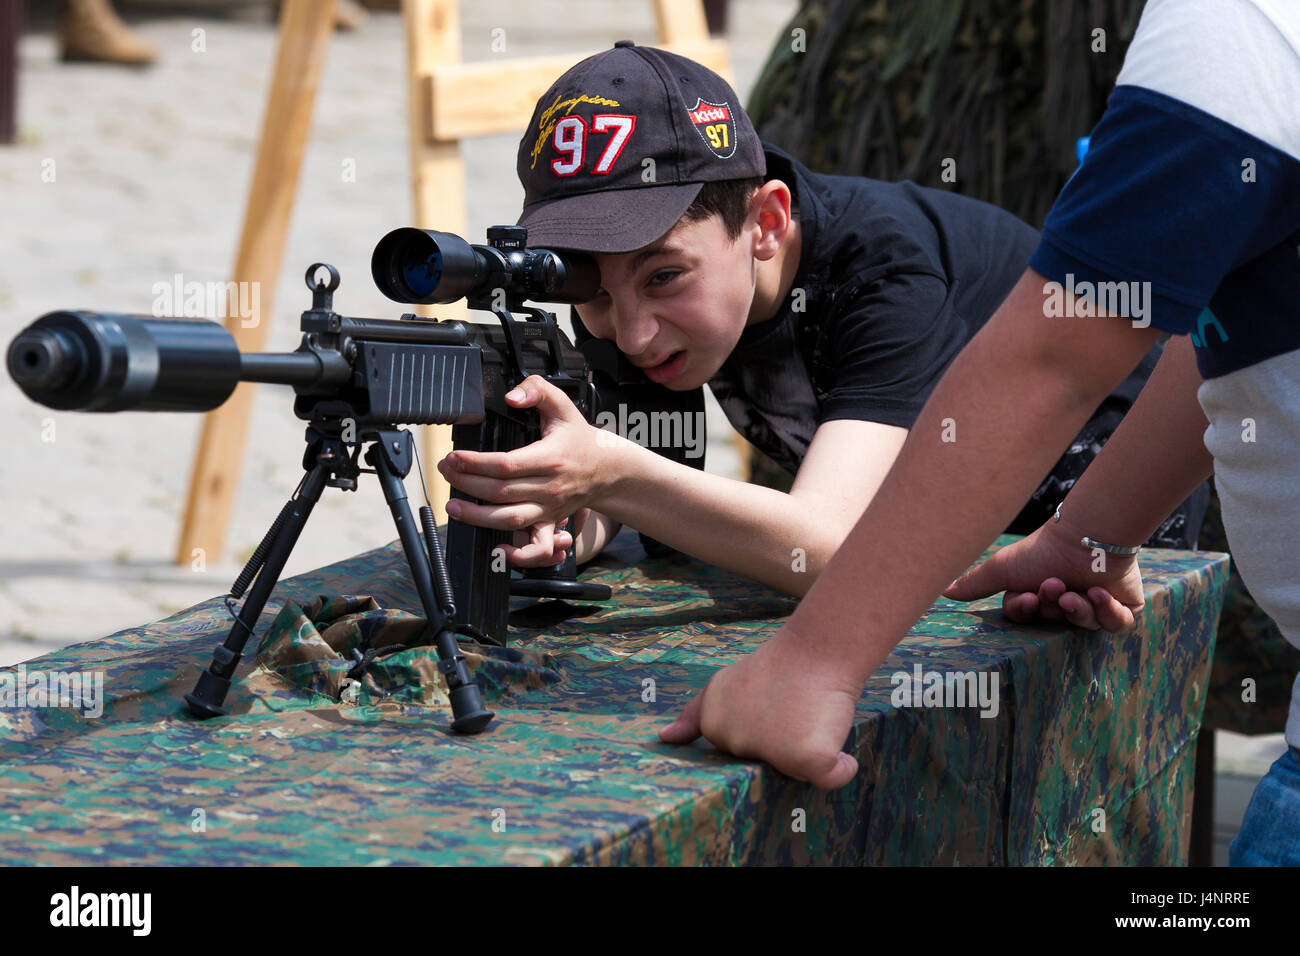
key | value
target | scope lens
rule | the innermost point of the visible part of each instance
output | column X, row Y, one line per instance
column 419, row 265
column 421, row 268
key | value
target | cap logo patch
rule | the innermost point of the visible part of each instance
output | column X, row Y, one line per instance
column 547, row 119
column 716, row 127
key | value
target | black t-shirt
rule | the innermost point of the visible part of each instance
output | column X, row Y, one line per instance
column 893, row 280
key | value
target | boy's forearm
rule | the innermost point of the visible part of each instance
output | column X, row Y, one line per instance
column 1155, row 459
column 751, row 530
column 944, row 501
column 598, row 531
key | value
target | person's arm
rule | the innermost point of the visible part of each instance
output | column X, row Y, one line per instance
column 1155, row 459
column 920, row 531
column 790, row 701
column 595, row 531
column 782, row 540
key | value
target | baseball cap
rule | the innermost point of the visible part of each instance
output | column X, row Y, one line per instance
column 621, row 144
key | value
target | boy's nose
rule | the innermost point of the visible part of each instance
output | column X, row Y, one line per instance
column 635, row 329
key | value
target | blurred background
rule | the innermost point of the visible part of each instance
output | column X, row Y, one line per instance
column 152, row 166
column 133, row 127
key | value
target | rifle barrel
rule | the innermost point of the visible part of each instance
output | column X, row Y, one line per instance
column 280, row 368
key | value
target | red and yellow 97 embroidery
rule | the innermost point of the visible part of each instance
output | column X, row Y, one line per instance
column 714, row 123
column 570, row 141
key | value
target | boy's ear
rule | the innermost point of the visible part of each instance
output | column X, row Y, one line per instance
column 770, row 207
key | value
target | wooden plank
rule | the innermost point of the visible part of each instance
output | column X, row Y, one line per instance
column 498, row 96
column 437, row 188
column 305, row 27
column 681, row 21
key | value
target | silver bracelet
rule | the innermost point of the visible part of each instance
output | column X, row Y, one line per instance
column 1091, row 543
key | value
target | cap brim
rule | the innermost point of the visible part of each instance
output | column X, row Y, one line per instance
column 612, row 221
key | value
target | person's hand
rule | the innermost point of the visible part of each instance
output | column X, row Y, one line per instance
column 1049, row 576
column 538, row 546
column 780, row 706
column 541, row 546
column 538, row 484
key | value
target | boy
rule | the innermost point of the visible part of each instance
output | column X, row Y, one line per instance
column 1192, row 184
column 820, row 333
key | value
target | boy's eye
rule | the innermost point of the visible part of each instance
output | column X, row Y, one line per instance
column 664, row 276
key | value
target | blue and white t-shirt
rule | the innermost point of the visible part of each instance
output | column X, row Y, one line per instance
column 1192, row 184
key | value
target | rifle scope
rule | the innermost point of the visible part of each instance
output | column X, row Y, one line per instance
column 420, row 265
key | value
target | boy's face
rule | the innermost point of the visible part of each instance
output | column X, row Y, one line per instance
column 677, row 307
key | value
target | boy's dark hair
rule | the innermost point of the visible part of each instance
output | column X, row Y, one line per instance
column 728, row 198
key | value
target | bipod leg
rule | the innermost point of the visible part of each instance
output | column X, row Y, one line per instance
column 213, row 684
column 390, row 456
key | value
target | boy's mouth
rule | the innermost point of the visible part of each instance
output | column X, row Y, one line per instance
column 668, row 369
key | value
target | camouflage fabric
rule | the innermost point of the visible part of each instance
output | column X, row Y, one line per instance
column 1249, row 647
column 1088, row 759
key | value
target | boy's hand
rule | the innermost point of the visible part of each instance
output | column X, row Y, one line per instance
column 540, row 546
column 780, row 706
column 1050, row 576
column 538, row 484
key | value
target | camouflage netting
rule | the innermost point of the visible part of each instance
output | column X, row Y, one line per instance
column 891, row 90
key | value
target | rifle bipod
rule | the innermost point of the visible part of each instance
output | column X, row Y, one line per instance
column 327, row 463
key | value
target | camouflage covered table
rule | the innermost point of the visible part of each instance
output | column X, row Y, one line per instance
column 1088, row 759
